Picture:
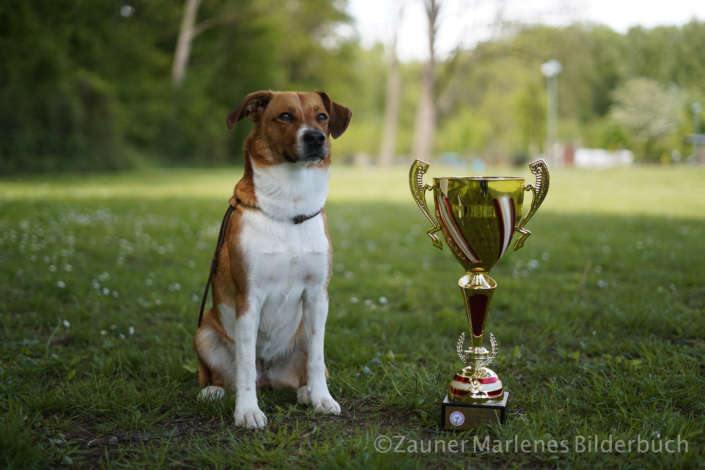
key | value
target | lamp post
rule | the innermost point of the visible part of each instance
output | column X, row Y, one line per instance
column 697, row 109
column 551, row 69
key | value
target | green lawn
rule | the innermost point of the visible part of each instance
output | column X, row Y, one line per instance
column 600, row 320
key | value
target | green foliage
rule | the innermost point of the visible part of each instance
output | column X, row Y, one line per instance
column 84, row 87
column 500, row 85
column 648, row 110
column 17, row 448
column 607, row 134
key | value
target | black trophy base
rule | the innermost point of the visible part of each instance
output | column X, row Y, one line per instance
column 463, row 416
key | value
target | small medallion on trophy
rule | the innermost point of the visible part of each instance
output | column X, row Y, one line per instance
column 457, row 418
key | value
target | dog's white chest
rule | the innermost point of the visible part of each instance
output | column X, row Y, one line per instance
column 281, row 253
column 283, row 260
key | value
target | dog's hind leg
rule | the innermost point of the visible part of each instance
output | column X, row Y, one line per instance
column 215, row 361
column 290, row 371
column 212, row 382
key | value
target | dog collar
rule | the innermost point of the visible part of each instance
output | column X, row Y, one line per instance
column 299, row 219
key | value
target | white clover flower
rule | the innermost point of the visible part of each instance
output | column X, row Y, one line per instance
column 103, row 332
column 121, row 336
column 354, row 300
column 68, row 268
column 148, row 282
column 106, row 291
column 67, row 324
column 383, row 300
column 115, row 294
column 61, row 284
column 131, row 330
column 52, row 268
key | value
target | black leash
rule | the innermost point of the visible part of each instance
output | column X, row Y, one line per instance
column 214, row 264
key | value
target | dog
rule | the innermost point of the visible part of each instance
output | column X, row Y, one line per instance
column 269, row 286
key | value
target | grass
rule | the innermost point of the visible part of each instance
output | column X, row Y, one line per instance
column 599, row 319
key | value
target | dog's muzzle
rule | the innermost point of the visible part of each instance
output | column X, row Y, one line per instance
column 314, row 146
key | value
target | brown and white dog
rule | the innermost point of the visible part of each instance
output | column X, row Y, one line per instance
column 270, row 299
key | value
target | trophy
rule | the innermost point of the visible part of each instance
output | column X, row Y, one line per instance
column 478, row 217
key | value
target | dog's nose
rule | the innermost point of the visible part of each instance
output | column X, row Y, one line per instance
column 314, row 138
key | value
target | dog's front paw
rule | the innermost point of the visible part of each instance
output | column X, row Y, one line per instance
column 250, row 417
column 325, row 404
column 322, row 402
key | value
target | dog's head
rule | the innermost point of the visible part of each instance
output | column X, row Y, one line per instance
column 291, row 127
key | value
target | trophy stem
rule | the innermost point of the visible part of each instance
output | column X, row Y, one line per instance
column 477, row 289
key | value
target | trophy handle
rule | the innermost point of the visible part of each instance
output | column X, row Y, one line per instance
column 539, row 190
column 418, row 190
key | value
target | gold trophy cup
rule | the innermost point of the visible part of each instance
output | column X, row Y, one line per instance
column 478, row 217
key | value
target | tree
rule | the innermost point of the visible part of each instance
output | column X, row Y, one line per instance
column 392, row 96
column 190, row 30
column 183, row 43
column 426, row 111
column 647, row 110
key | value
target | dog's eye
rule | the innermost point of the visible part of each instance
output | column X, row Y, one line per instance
column 286, row 117
column 322, row 117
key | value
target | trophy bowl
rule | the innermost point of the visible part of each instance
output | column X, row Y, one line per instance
column 478, row 217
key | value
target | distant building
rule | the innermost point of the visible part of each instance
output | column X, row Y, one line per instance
column 600, row 158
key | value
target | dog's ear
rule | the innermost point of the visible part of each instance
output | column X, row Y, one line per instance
column 340, row 116
column 251, row 108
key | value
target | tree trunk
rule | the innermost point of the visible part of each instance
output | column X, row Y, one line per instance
column 392, row 100
column 183, row 44
column 426, row 111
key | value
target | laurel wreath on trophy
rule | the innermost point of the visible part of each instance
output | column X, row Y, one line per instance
column 486, row 362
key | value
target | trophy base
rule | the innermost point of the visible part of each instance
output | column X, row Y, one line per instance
column 464, row 416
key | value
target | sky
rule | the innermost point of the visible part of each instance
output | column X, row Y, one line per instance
column 465, row 22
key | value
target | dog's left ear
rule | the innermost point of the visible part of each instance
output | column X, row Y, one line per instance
column 251, row 107
column 340, row 116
